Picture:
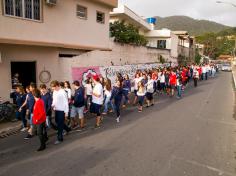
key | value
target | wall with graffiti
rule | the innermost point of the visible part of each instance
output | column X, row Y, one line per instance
column 83, row 73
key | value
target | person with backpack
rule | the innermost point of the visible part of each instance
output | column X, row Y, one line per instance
column 78, row 105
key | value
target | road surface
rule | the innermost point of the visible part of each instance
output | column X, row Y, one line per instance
column 194, row 136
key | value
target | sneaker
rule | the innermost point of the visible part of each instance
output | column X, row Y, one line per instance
column 24, row 129
column 104, row 113
column 41, row 148
column 97, row 127
column 124, row 106
column 29, row 136
column 57, row 142
column 118, row 119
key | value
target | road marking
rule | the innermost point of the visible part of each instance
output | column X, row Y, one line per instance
column 220, row 172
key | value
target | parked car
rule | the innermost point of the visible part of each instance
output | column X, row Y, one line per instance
column 226, row 67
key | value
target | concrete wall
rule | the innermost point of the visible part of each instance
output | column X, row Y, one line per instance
column 61, row 68
column 59, row 26
column 120, row 55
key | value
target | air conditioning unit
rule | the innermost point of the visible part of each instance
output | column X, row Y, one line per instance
column 51, row 2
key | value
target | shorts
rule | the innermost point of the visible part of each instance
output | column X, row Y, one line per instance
column 96, row 109
column 149, row 96
column 141, row 100
column 77, row 111
column 172, row 86
column 135, row 92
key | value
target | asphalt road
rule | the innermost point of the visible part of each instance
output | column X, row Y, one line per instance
column 194, row 136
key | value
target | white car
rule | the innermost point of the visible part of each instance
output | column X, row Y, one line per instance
column 226, row 67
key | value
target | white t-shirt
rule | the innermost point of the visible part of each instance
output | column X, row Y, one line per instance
column 162, row 79
column 89, row 89
column 60, row 101
column 68, row 92
column 136, row 81
column 107, row 93
column 150, row 86
column 98, row 89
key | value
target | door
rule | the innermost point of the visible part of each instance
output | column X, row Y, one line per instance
column 23, row 73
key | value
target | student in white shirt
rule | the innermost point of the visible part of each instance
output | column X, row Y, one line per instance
column 97, row 100
column 61, row 108
column 150, row 91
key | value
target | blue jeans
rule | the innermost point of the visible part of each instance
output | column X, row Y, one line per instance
column 21, row 116
column 179, row 91
column 60, row 119
column 117, row 106
column 126, row 93
column 108, row 104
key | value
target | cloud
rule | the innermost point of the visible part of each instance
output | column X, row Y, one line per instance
column 199, row 9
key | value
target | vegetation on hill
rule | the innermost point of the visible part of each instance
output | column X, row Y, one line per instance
column 126, row 34
column 219, row 43
column 193, row 26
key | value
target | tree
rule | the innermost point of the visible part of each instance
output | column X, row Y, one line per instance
column 126, row 34
column 198, row 57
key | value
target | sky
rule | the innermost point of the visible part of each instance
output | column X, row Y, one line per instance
column 198, row 9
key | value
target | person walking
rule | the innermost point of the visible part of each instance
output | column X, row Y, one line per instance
column 141, row 95
column 47, row 99
column 126, row 90
column 107, row 92
column 173, row 81
column 150, row 91
column 39, row 119
column 21, row 112
column 97, row 100
column 78, row 105
column 195, row 76
column 61, row 107
column 117, row 94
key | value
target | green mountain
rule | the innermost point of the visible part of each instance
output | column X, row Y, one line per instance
column 193, row 26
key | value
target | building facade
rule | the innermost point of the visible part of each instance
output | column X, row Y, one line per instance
column 35, row 35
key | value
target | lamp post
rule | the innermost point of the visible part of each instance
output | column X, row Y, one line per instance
column 234, row 5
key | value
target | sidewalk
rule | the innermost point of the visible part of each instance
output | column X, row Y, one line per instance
column 9, row 128
column 234, row 75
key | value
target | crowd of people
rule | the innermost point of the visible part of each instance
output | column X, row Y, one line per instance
column 98, row 96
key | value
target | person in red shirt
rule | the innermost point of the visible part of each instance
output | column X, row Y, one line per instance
column 39, row 119
column 173, row 82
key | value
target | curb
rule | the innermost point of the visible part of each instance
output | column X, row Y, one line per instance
column 10, row 131
column 234, row 78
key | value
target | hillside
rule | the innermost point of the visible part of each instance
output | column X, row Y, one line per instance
column 193, row 26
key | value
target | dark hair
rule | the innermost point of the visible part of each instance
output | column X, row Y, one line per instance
column 61, row 84
column 36, row 93
column 76, row 83
column 43, row 86
column 68, row 83
column 55, row 83
column 21, row 88
column 108, row 84
column 33, row 85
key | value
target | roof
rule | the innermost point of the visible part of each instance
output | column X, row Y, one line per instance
column 127, row 14
column 180, row 32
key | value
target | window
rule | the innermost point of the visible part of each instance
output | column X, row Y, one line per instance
column 100, row 17
column 82, row 12
column 161, row 44
column 29, row 9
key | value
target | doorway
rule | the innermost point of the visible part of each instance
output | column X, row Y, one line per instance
column 26, row 72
